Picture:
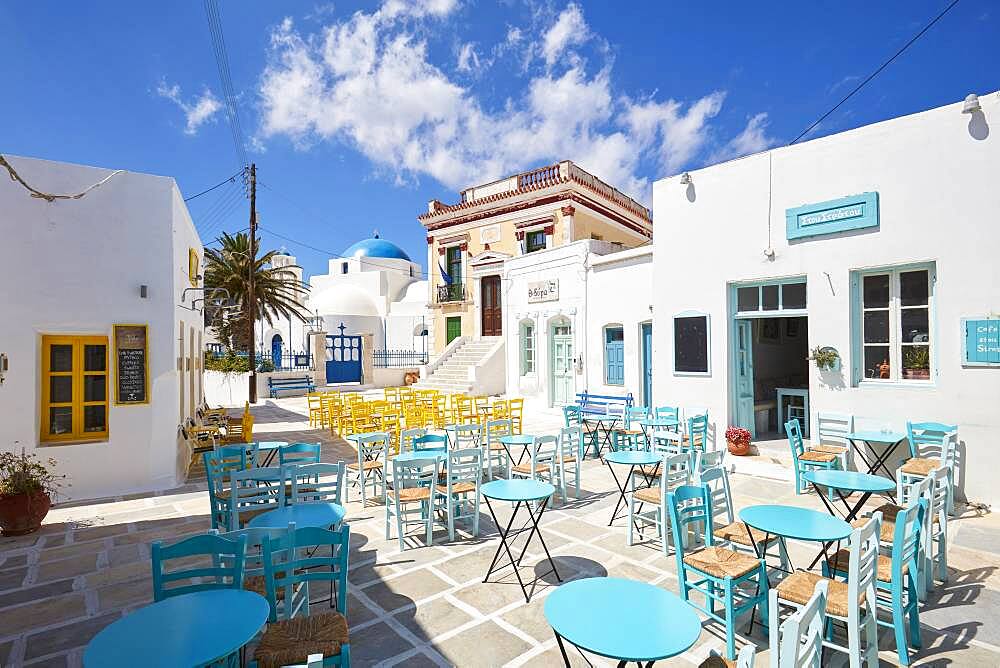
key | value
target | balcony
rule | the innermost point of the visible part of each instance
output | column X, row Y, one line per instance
column 450, row 293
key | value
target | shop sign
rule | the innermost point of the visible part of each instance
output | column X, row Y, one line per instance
column 982, row 341
column 839, row 215
column 543, row 291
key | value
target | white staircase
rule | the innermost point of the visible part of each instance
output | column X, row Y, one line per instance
column 462, row 367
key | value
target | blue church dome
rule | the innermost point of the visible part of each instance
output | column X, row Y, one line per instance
column 376, row 247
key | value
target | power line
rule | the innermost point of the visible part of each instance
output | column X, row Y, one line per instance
column 231, row 179
column 211, row 210
column 214, row 18
column 233, row 202
column 876, row 72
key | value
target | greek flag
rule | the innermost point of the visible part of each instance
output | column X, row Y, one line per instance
column 445, row 276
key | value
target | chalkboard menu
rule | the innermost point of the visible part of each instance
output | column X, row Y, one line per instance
column 132, row 384
column 691, row 344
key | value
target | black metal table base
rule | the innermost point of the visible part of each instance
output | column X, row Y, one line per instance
column 622, row 503
column 849, row 516
column 877, row 461
column 621, row 664
column 507, row 535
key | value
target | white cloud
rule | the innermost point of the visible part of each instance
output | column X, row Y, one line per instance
column 418, row 8
column 367, row 81
column 197, row 112
column 569, row 29
column 753, row 139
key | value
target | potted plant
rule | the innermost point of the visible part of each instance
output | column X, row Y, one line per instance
column 738, row 441
column 26, row 489
column 916, row 363
column 825, row 357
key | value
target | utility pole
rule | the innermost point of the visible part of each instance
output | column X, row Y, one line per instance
column 252, row 315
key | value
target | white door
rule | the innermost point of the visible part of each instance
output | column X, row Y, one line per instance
column 744, row 375
column 562, row 366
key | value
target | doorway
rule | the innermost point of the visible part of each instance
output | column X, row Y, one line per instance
column 453, row 328
column 772, row 379
column 561, row 380
column 276, row 344
column 490, row 306
column 647, row 364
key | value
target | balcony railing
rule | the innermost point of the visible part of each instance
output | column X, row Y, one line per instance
column 450, row 293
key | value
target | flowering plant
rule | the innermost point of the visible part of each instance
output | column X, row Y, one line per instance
column 25, row 474
column 738, row 435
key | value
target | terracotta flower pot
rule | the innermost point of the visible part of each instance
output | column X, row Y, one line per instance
column 738, row 449
column 23, row 513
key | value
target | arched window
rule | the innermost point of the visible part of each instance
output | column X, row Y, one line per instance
column 527, row 347
column 614, row 355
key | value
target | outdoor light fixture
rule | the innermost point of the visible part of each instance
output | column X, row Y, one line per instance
column 143, row 291
column 686, row 178
column 971, row 105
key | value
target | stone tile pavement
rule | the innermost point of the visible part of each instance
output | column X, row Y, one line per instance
column 425, row 605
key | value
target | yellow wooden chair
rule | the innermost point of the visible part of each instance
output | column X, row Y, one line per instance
column 314, row 400
column 390, row 424
column 390, row 393
column 501, row 409
column 240, row 430
column 516, row 414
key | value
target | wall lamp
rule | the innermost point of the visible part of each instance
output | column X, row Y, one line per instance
column 685, row 179
column 971, row 105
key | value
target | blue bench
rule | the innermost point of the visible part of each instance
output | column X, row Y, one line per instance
column 602, row 406
column 275, row 385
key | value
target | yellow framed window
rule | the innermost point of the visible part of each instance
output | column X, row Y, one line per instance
column 75, row 388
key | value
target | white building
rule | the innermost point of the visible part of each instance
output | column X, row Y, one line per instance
column 104, row 401
column 578, row 319
column 880, row 242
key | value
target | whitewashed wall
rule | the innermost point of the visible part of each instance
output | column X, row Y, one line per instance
column 936, row 174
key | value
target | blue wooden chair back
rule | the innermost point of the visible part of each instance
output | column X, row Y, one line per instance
column 299, row 453
column 301, row 556
column 252, row 492
column 906, row 539
column 465, row 465
column 689, row 505
column 571, row 442
column 407, row 436
column 633, row 414
column 697, row 431
column 801, row 634
column 794, row 432
column 667, row 413
column 205, row 573
column 936, row 436
column 218, row 469
column 571, row 415
column 716, row 478
column 322, row 482
column 430, row 442
column 495, row 429
column 464, row 435
column 372, row 445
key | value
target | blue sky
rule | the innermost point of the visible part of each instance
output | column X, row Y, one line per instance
column 358, row 113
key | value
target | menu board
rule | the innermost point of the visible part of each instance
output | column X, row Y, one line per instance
column 131, row 350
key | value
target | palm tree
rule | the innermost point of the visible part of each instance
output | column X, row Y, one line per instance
column 277, row 292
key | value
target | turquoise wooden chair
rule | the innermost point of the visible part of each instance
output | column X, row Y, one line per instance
column 931, row 445
column 410, row 499
column 205, row 573
column 291, row 563
column 573, row 417
column 299, row 453
column 218, row 467
column 253, row 492
column 494, row 453
column 462, row 436
column 320, row 482
column 897, row 574
column 569, row 454
column 850, row 603
column 798, row 642
column 430, row 442
column 369, row 469
column 807, row 460
column 407, row 436
column 629, row 435
column 745, row 659
column 541, row 464
column 830, row 436
column 673, row 472
column 707, row 460
column 667, row 413
column 458, row 495
column 735, row 580
column 253, row 564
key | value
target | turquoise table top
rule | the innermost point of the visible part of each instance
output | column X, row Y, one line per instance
column 429, row 453
column 309, row 514
column 521, row 439
column 187, row 630
column 851, row 481
column 270, row 445
column 658, row 624
column 798, row 523
column 874, row 436
column 518, row 490
column 634, row 457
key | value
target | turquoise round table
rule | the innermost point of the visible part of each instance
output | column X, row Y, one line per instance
column 630, row 458
column 311, row 514
column 525, row 441
column 413, row 455
column 659, row 624
column 797, row 523
column 186, row 630
column 848, row 481
column 522, row 493
column 270, row 448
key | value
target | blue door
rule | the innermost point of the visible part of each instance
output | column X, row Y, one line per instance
column 744, row 375
column 343, row 358
column 276, row 350
column 647, row 364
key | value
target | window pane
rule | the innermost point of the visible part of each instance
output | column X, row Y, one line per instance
column 876, row 327
column 93, row 418
column 916, row 362
column 793, row 295
column 914, row 325
column 691, row 344
column 770, row 297
column 747, row 299
column 61, row 357
column 94, row 358
column 60, row 389
column 615, row 334
column 913, row 288
column 94, row 388
column 876, row 361
column 876, row 291
column 61, row 420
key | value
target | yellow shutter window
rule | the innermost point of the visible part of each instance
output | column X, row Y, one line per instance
column 75, row 388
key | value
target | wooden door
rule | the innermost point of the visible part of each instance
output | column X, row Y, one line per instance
column 490, row 306
column 744, row 375
column 561, row 366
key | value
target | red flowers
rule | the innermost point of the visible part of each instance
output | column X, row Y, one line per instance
column 738, row 435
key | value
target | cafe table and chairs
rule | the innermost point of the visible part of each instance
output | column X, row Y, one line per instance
column 647, row 506
column 845, row 484
column 804, row 460
column 631, row 459
column 369, row 468
column 525, row 443
column 792, row 522
column 931, row 444
column 875, row 447
column 542, row 461
column 736, row 580
column 658, row 624
column 532, row 496
column 630, row 434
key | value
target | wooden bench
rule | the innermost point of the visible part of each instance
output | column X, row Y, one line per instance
column 275, row 385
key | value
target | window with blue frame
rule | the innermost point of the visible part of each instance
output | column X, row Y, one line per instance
column 893, row 318
column 614, row 355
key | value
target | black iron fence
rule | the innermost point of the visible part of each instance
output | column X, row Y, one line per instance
column 268, row 361
column 450, row 293
column 393, row 359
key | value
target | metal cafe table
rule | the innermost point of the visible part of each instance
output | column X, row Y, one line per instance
column 524, row 441
column 630, row 458
column 658, row 623
column 319, row 514
column 796, row 523
column 890, row 439
column 522, row 493
column 193, row 629
column 848, row 481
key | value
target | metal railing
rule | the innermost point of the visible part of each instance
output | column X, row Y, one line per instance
column 450, row 293
column 288, row 361
column 394, row 359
